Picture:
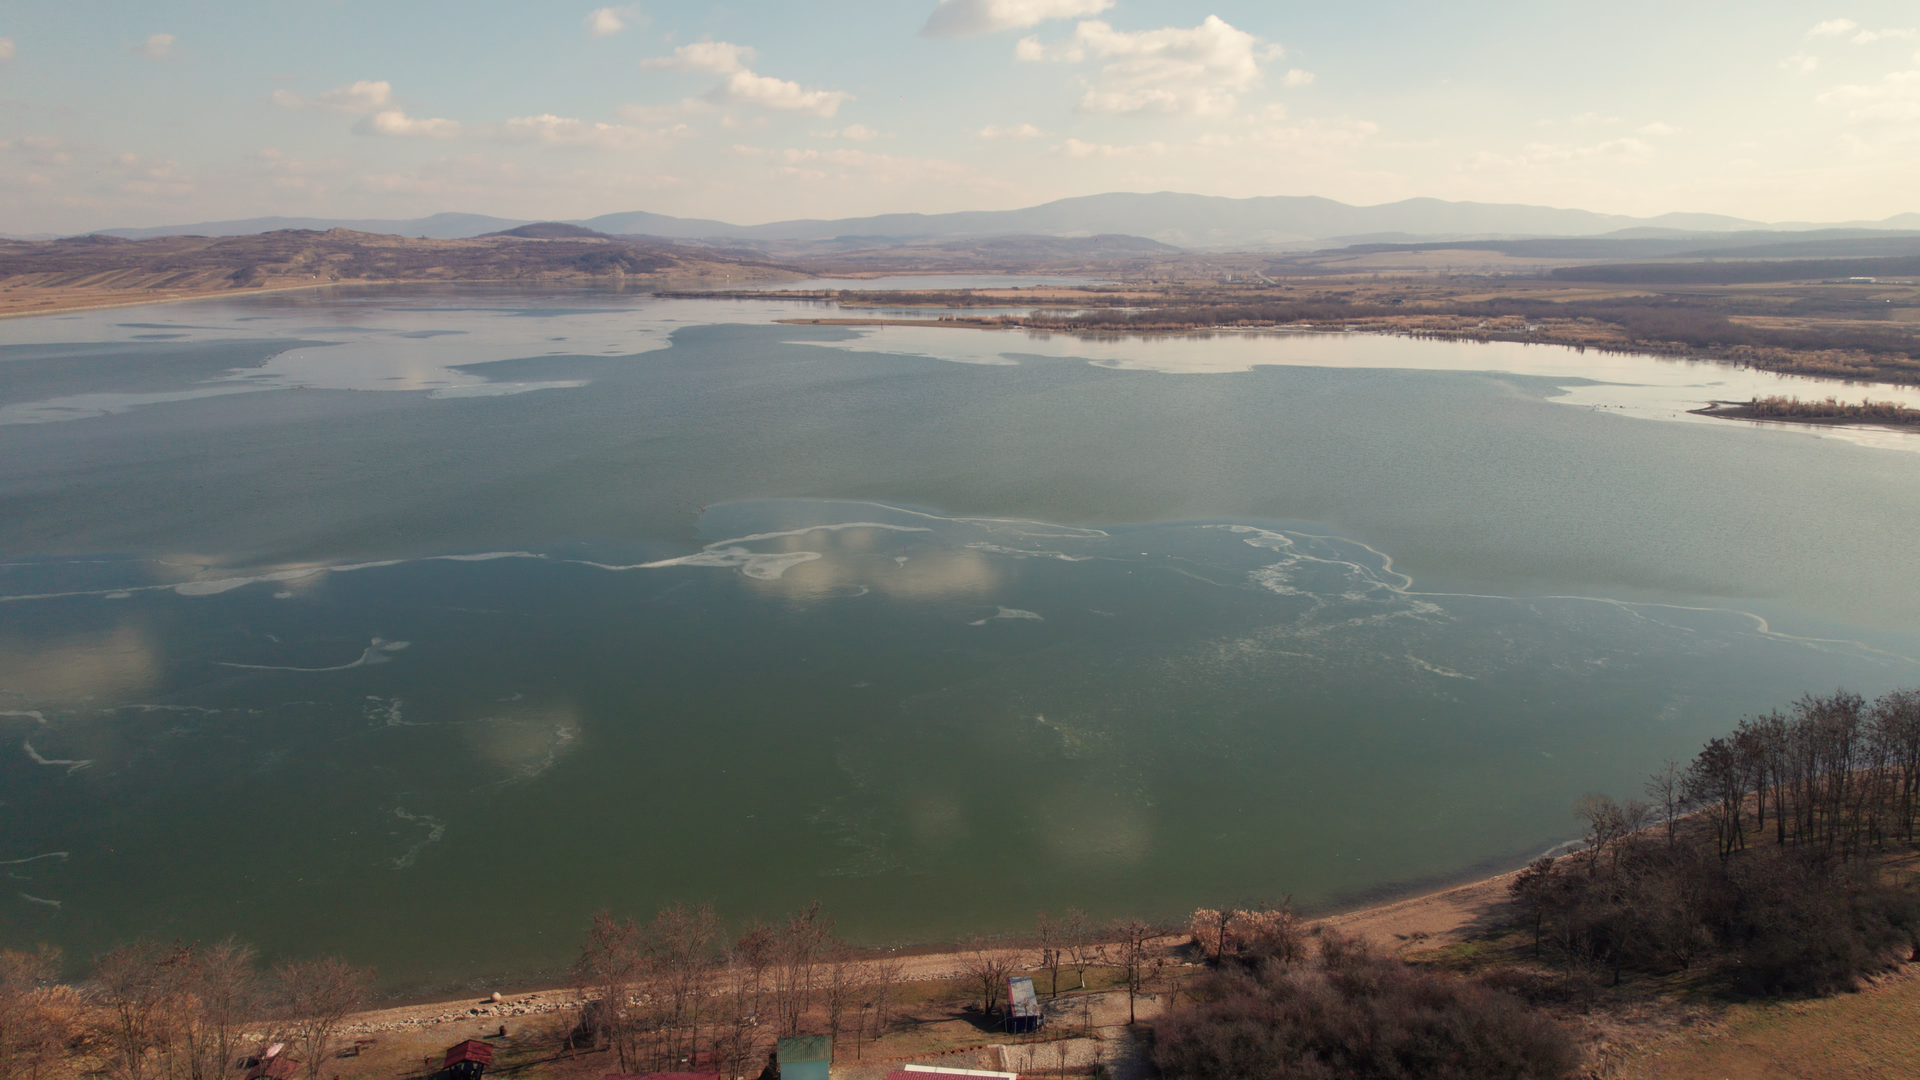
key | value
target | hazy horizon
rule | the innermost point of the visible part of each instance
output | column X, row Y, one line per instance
column 124, row 116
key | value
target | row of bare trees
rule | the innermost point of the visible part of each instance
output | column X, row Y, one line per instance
column 676, row 989
column 172, row 1012
column 1767, row 880
column 1833, row 772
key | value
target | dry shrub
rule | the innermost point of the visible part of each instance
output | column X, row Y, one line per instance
column 1247, row 935
column 1343, row 1011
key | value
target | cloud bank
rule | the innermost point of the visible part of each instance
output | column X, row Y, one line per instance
column 766, row 92
column 968, row 18
column 716, row 57
column 608, row 21
column 1194, row 72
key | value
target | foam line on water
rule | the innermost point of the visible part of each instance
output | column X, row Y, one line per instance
column 72, row 765
column 27, row 714
column 1008, row 613
column 763, row 566
column 1072, row 531
column 435, row 830
column 63, row 856
column 1026, row 553
column 375, row 653
column 1276, row 578
column 208, row 587
column 43, row 901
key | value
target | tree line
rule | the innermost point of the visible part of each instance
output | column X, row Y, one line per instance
column 173, row 1012
column 1753, row 865
column 1750, row 858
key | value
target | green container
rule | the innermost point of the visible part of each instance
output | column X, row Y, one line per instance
column 804, row 1057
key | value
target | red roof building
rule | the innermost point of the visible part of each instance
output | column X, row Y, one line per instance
column 468, row 1060
column 279, row 1067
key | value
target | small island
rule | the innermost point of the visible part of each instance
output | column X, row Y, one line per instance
column 1830, row 411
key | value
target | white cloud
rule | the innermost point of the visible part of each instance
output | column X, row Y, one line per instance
column 855, row 132
column 1833, row 28
column 717, row 57
column 1659, row 128
column 372, row 100
column 1868, row 37
column 364, row 96
column 550, row 130
column 1170, row 70
column 157, row 46
column 966, row 18
column 1018, row 131
column 607, row 21
column 1076, row 148
column 6, row 48
column 1800, row 64
column 397, row 123
column 1297, row 77
column 764, row 91
column 1895, row 97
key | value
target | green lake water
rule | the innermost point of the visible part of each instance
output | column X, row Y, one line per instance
column 416, row 625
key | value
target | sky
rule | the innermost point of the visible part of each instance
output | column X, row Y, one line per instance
column 120, row 114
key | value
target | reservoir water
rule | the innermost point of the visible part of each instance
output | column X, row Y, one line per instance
column 417, row 624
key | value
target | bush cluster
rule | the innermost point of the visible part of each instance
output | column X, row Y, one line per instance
column 1340, row 1010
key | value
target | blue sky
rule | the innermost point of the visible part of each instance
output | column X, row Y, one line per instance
column 120, row 114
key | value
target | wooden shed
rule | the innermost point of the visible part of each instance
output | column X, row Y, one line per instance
column 467, row 1060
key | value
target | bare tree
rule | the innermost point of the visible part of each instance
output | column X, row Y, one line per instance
column 679, row 947
column 1667, row 788
column 1082, row 944
column 755, row 951
column 843, row 988
column 1050, row 933
column 136, row 986
column 1134, row 955
column 610, row 967
column 316, row 997
column 29, row 1034
column 1896, row 728
column 1532, row 889
column 221, row 996
column 733, row 1037
column 797, row 955
column 987, row 963
column 884, row 981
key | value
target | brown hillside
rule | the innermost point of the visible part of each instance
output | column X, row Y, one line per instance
column 95, row 271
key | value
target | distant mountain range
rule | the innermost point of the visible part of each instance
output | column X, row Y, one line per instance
column 1187, row 221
